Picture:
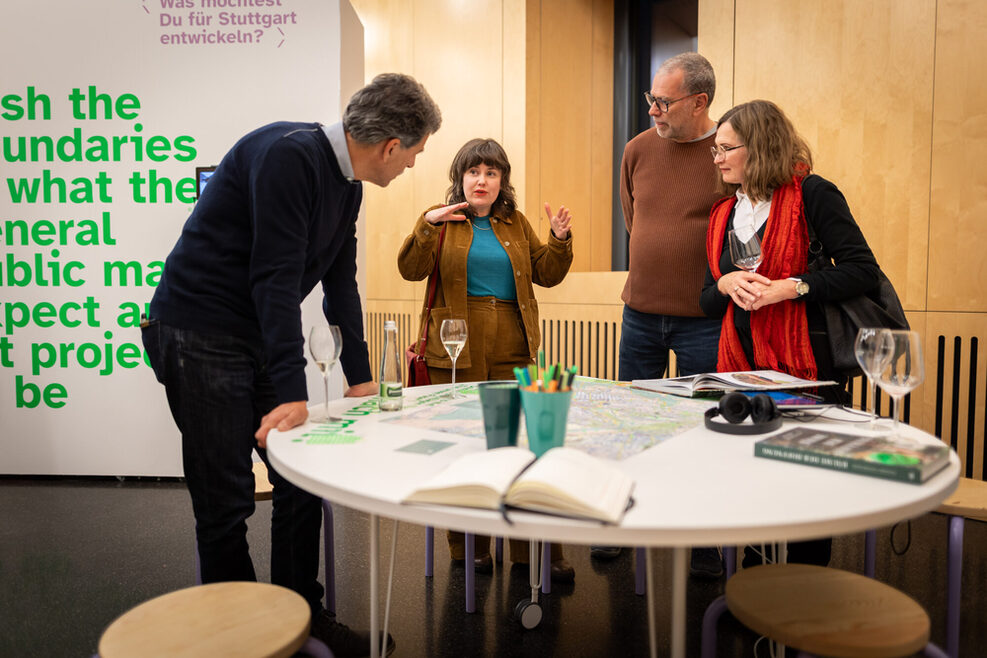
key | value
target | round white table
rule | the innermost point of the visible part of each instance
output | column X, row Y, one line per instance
column 698, row 488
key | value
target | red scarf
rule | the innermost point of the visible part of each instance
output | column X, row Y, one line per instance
column 780, row 331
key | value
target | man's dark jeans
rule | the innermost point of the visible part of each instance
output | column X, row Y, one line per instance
column 218, row 390
column 645, row 339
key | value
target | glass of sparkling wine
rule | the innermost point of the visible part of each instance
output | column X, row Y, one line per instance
column 904, row 370
column 325, row 342
column 453, row 335
column 745, row 251
column 873, row 349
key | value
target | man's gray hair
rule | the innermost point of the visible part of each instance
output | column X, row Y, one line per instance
column 697, row 73
column 393, row 105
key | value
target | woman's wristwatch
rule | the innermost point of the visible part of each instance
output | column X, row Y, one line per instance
column 801, row 287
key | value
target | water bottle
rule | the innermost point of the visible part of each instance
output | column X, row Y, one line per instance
column 391, row 397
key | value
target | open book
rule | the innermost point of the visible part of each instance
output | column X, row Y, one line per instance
column 564, row 481
column 719, row 382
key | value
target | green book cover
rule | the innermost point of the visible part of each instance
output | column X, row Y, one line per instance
column 879, row 456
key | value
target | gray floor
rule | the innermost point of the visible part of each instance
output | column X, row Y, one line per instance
column 75, row 553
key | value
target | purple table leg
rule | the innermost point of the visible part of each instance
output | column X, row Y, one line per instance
column 546, row 568
column 470, row 575
column 730, row 557
column 639, row 571
column 429, row 550
column 870, row 549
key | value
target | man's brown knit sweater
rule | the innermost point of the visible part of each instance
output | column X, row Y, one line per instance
column 666, row 190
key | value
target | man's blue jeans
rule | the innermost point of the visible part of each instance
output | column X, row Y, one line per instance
column 218, row 390
column 646, row 338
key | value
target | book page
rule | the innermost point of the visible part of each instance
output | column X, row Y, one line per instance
column 566, row 480
column 475, row 480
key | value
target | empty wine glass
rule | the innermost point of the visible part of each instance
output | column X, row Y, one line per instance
column 905, row 368
column 325, row 342
column 745, row 250
column 873, row 349
column 453, row 335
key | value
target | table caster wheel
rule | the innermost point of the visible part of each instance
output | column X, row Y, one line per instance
column 528, row 613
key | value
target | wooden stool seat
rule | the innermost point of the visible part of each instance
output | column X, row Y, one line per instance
column 969, row 500
column 827, row 611
column 220, row 619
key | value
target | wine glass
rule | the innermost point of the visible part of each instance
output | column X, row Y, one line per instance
column 873, row 349
column 453, row 335
column 745, row 251
column 325, row 342
column 905, row 368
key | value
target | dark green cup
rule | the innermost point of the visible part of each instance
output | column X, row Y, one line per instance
column 501, row 407
column 545, row 417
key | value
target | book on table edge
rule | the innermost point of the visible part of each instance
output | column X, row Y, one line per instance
column 876, row 456
column 563, row 482
column 721, row 382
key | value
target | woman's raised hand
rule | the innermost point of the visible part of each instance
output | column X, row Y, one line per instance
column 446, row 214
column 561, row 221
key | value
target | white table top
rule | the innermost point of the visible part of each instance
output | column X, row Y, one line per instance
column 699, row 488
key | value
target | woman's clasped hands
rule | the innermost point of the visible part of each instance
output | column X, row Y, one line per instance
column 746, row 289
column 752, row 291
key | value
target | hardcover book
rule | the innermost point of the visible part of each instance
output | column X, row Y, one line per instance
column 881, row 456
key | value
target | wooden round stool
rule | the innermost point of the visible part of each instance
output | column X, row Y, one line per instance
column 827, row 611
column 219, row 619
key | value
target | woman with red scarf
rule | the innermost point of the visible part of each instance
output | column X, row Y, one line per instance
column 772, row 319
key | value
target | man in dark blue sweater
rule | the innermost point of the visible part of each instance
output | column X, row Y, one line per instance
column 225, row 333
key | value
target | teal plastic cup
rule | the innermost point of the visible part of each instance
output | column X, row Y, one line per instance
column 501, row 407
column 545, row 417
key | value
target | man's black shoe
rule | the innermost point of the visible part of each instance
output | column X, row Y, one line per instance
column 706, row 563
column 342, row 641
column 605, row 552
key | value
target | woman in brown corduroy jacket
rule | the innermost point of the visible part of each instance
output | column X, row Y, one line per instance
column 489, row 260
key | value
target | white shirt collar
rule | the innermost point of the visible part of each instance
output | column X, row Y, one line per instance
column 749, row 217
column 337, row 139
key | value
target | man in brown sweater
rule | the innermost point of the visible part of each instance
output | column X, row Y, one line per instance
column 668, row 184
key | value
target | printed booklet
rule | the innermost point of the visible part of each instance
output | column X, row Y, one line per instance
column 564, row 481
column 721, row 382
column 880, row 456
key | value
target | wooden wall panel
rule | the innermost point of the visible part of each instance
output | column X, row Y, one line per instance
column 958, row 221
column 463, row 68
column 570, row 108
column 857, row 80
column 716, row 35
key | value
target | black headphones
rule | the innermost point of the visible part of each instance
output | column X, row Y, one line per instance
column 735, row 407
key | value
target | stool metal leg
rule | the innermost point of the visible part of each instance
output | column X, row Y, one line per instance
column 329, row 551
column 953, row 587
column 710, row 620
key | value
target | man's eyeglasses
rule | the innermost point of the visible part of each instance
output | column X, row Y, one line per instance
column 661, row 102
column 721, row 151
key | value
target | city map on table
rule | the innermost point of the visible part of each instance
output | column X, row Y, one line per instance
column 607, row 419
